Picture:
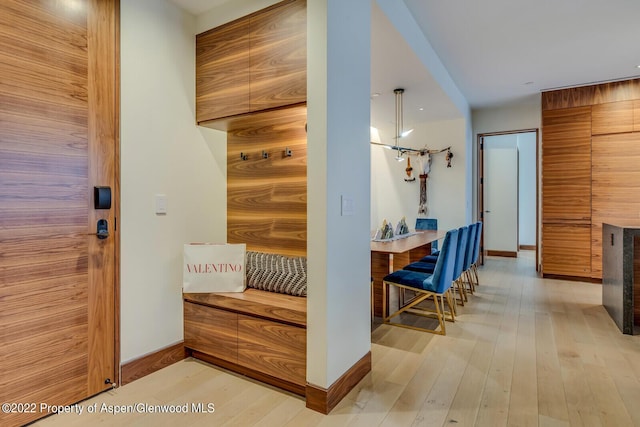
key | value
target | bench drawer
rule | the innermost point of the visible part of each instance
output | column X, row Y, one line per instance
column 273, row 348
column 211, row 331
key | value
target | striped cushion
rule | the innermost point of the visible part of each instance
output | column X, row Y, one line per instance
column 277, row 273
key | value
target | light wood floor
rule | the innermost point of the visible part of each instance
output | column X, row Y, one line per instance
column 524, row 352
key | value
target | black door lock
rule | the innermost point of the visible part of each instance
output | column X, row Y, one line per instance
column 102, row 229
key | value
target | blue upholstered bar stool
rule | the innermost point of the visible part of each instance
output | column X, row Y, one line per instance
column 428, row 224
column 476, row 253
column 468, row 258
column 434, row 286
column 461, row 248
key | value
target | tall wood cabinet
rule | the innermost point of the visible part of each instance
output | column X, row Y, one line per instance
column 590, row 172
column 255, row 63
column 566, row 189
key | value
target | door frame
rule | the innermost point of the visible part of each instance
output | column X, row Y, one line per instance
column 104, row 169
column 480, row 185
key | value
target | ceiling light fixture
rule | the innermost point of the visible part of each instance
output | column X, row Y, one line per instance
column 400, row 132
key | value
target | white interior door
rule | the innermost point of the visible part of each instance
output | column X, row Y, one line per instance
column 500, row 197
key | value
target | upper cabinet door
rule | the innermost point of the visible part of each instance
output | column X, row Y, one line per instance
column 612, row 117
column 279, row 56
column 222, row 71
column 566, row 165
column 255, row 63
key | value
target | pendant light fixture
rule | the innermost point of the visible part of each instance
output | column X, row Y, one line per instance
column 400, row 132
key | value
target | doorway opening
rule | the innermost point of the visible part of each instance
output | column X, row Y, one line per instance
column 508, row 192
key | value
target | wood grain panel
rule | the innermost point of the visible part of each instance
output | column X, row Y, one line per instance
column 252, row 373
column 271, row 196
column 103, row 158
column 58, row 109
column 636, row 280
column 591, row 95
column 567, row 98
column 222, row 71
column 380, row 267
column 324, row 400
column 279, row 55
column 43, row 320
column 615, row 187
column 269, row 305
column 255, row 63
column 566, row 250
column 273, row 348
column 285, row 236
column 612, row 117
column 211, row 331
column 153, row 362
column 636, row 115
column 566, row 165
column 267, row 198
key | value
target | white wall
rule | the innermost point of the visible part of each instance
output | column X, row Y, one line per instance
column 526, row 143
column 338, row 164
column 523, row 115
column 400, row 16
column 162, row 151
column 229, row 11
column 392, row 197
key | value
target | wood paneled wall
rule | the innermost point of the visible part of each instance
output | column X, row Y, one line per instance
column 613, row 191
column 267, row 197
column 567, row 141
column 591, row 95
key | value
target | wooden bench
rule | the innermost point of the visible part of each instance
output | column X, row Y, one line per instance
column 260, row 334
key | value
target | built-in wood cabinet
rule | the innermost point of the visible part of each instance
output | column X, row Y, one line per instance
column 211, row 331
column 566, row 165
column 612, row 117
column 279, row 56
column 615, row 196
column 590, row 174
column 566, row 249
column 222, row 71
column 258, row 333
column 636, row 115
column 566, row 190
column 616, row 117
column 273, row 348
column 255, row 63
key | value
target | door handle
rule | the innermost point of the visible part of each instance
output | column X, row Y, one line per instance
column 102, row 229
column 487, row 211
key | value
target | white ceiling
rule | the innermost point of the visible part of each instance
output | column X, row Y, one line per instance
column 493, row 48
column 196, row 7
column 496, row 51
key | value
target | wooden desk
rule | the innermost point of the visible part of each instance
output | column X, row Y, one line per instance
column 387, row 257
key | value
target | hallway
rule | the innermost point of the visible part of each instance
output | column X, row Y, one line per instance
column 525, row 351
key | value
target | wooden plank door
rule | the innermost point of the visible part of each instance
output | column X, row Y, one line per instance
column 58, row 139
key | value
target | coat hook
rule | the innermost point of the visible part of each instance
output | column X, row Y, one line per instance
column 288, row 152
column 243, row 156
column 265, row 154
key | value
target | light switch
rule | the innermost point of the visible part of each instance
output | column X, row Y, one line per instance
column 348, row 206
column 161, row 204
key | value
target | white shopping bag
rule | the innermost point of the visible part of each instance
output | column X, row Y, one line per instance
column 214, row 267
